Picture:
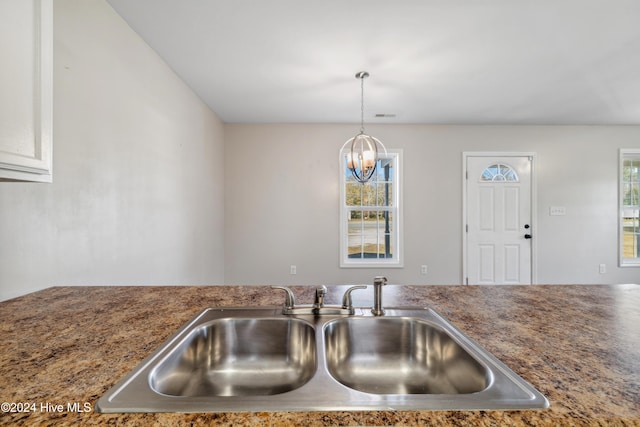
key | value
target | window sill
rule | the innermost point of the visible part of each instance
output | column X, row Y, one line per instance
column 371, row 265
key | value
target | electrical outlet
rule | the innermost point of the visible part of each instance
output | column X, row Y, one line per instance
column 602, row 268
column 423, row 270
column 557, row 210
column 293, row 269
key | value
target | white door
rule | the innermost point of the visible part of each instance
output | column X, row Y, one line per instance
column 498, row 220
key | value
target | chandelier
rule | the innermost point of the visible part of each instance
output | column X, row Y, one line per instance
column 361, row 151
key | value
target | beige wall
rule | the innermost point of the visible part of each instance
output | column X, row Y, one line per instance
column 282, row 195
column 138, row 170
column 151, row 188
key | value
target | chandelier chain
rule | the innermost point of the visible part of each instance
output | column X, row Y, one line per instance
column 362, row 105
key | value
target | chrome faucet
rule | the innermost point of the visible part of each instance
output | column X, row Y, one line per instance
column 290, row 299
column 378, row 283
column 318, row 301
column 318, row 308
column 347, row 303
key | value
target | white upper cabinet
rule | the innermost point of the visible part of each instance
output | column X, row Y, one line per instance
column 26, row 90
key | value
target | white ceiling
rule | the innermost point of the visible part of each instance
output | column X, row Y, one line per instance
column 431, row 61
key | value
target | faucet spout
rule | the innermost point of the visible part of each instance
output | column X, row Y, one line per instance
column 290, row 300
column 318, row 302
column 347, row 302
column 378, row 283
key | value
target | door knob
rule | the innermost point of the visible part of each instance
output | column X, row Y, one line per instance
column 527, row 236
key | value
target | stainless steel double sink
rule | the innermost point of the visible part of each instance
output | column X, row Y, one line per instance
column 257, row 359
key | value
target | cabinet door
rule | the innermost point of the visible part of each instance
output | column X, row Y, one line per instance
column 26, row 89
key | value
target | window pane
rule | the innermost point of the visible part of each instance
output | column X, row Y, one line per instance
column 354, row 234
column 353, row 194
column 630, row 219
column 369, row 194
column 631, row 167
column 385, row 194
column 384, row 170
column 385, row 230
column 370, row 234
column 633, row 194
column 626, row 194
column 499, row 173
column 631, row 234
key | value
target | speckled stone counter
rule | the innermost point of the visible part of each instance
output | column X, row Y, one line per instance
column 62, row 348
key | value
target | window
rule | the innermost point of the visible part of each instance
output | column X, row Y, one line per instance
column 499, row 173
column 629, row 208
column 370, row 220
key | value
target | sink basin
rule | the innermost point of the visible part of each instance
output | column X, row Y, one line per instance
column 239, row 357
column 400, row 355
column 257, row 359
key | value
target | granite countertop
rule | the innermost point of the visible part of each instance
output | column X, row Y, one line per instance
column 64, row 347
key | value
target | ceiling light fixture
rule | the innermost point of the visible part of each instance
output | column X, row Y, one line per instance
column 361, row 151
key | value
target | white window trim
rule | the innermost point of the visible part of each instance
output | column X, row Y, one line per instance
column 398, row 260
column 624, row 262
